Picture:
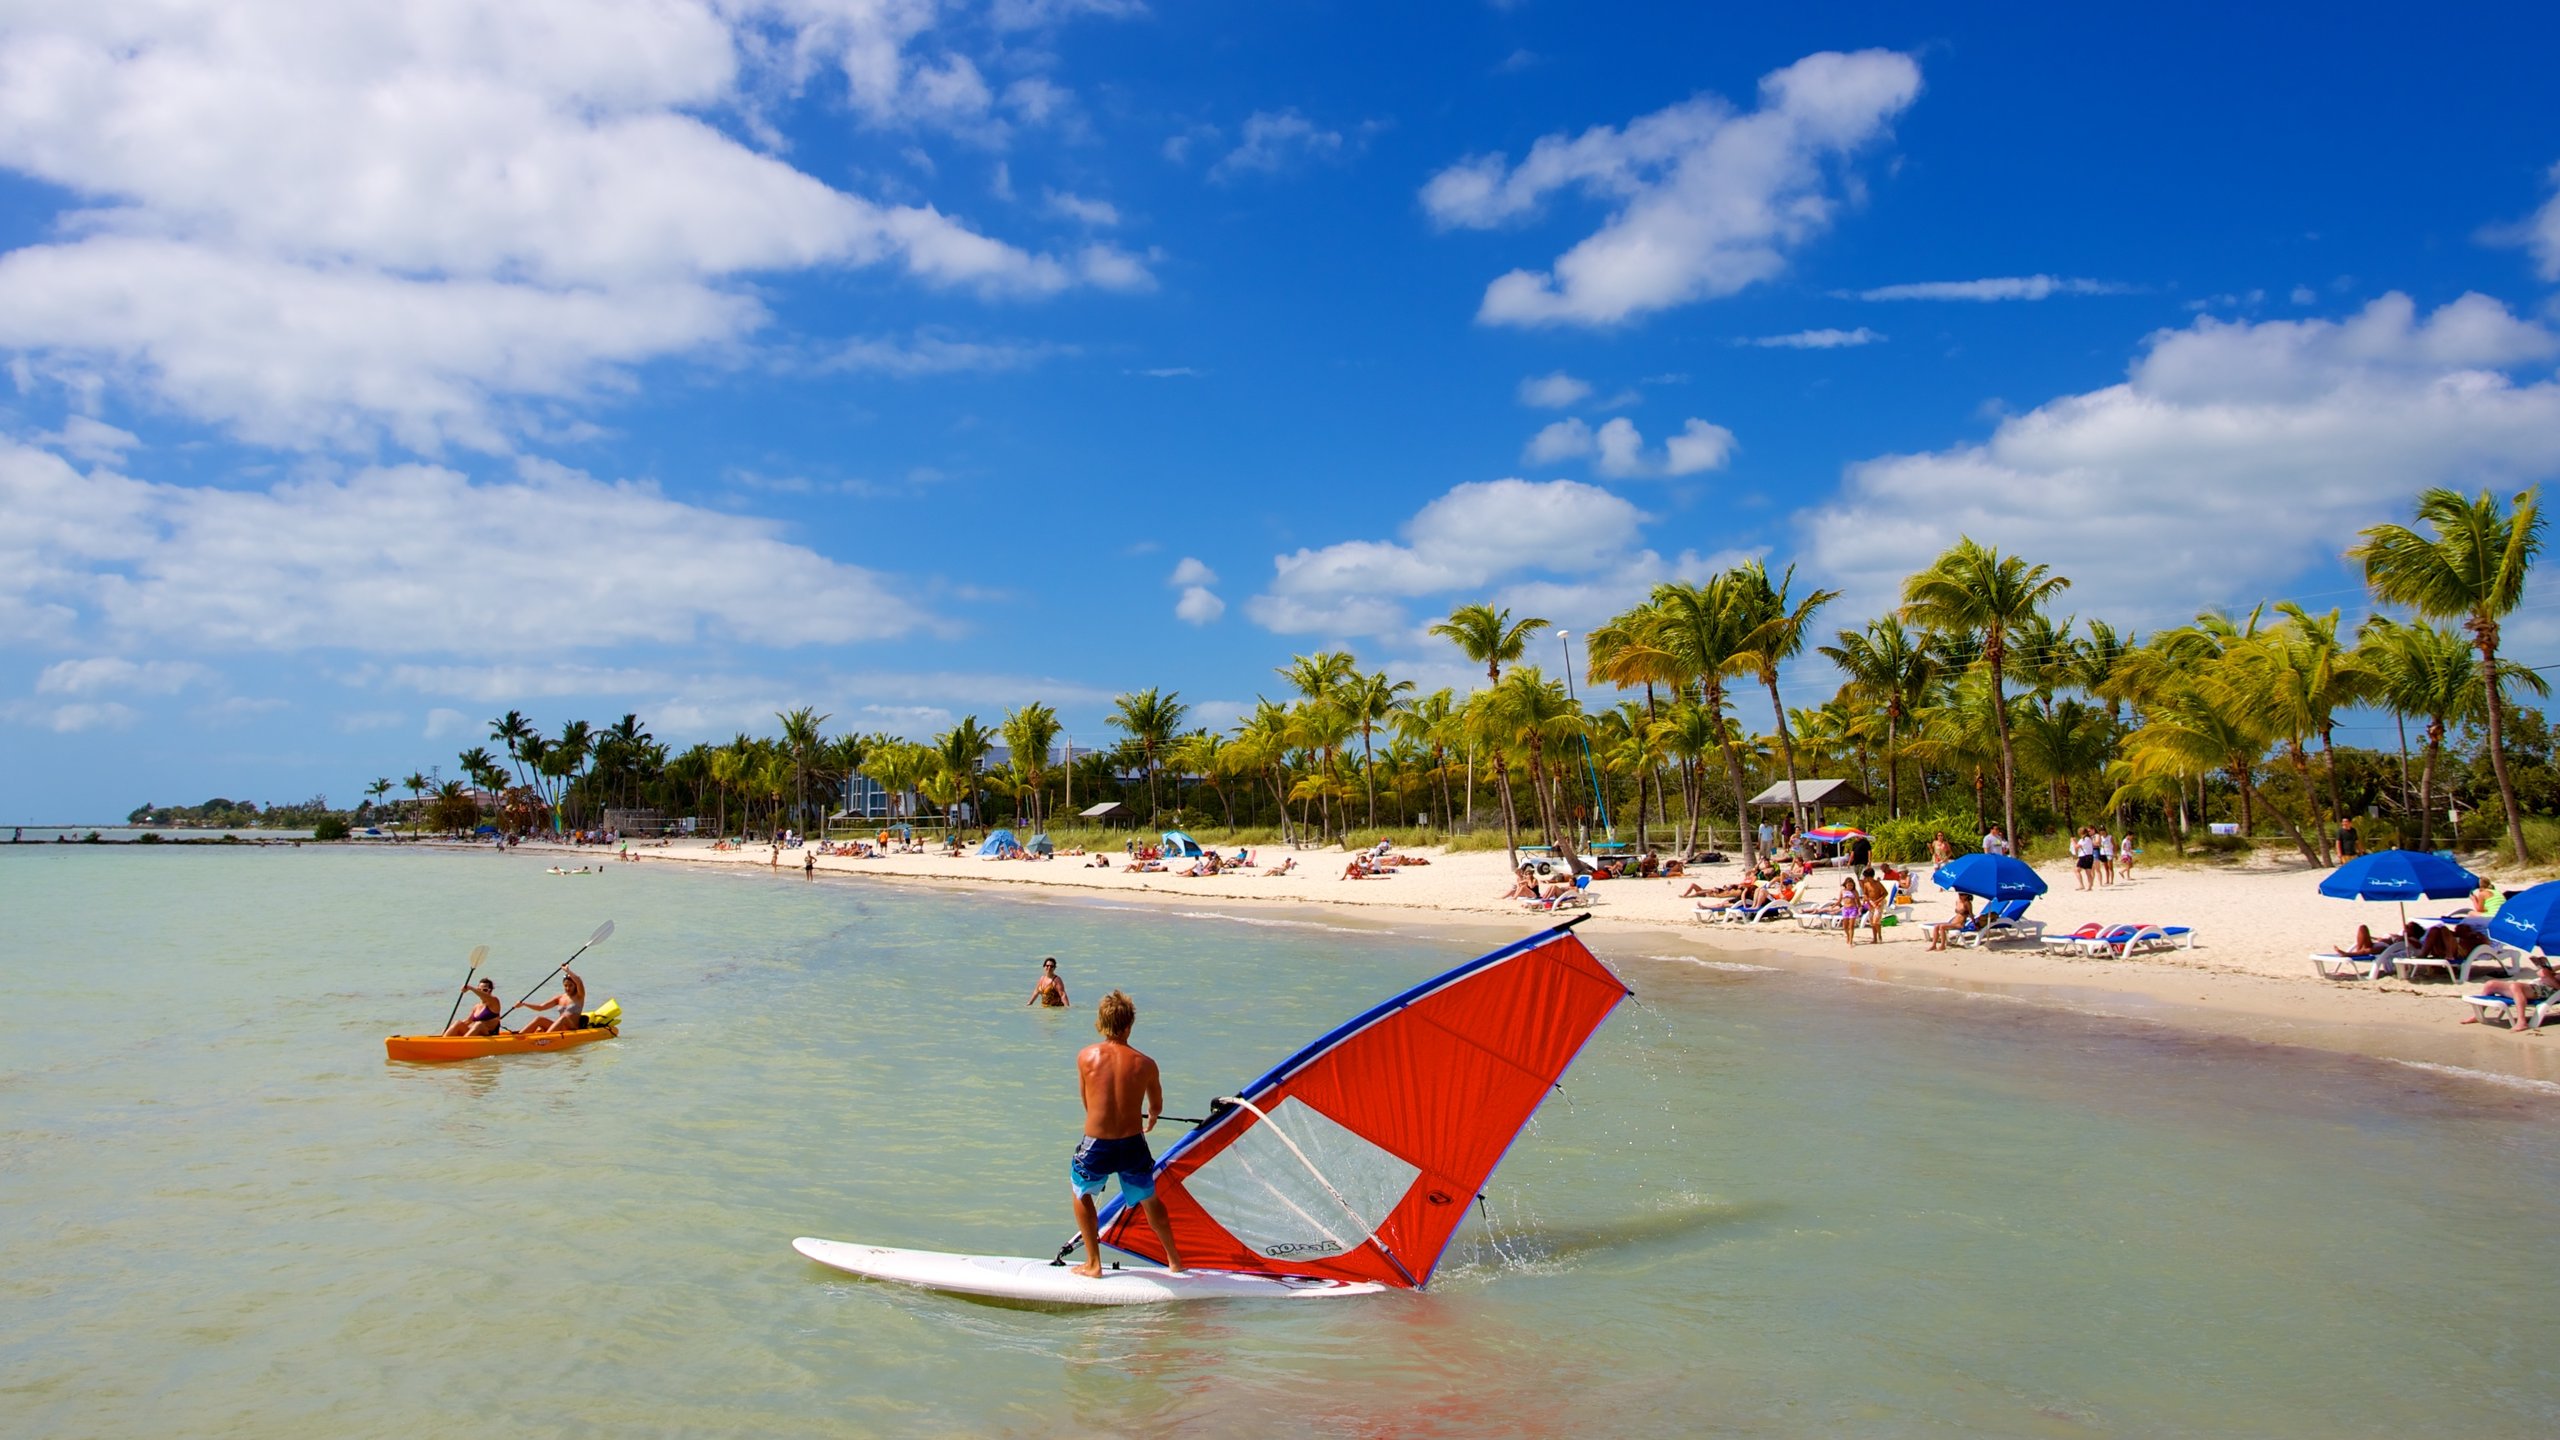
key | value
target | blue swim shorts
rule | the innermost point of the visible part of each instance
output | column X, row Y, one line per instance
column 1096, row 1161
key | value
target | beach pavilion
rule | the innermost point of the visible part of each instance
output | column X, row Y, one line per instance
column 1813, row 794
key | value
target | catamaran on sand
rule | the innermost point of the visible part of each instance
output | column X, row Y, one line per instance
column 1344, row 1171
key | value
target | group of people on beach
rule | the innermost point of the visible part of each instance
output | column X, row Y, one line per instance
column 2097, row 856
column 487, row 1019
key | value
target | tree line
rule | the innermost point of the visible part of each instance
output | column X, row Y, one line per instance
column 1973, row 698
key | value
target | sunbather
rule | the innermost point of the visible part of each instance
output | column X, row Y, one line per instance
column 2532, row 990
column 1524, row 886
column 1962, row 920
column 2364, row 944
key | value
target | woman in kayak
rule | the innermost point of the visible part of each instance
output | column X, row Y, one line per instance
column 571, row 1002
column 483, row 1020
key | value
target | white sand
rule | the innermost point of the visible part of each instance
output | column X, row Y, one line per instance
column 2248, row 973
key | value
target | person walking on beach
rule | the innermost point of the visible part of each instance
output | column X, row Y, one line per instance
column 2106, row 857
column 1051, row 991
column 2084, row 856
column 1123, row 1095
column 571, row 1002
column 1994, row 843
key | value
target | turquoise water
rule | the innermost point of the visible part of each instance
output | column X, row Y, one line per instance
column 1770, row 1205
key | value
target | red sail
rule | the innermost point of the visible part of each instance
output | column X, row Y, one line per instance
column 1357, row 1158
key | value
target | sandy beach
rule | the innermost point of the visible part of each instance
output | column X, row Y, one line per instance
column 2247, row 975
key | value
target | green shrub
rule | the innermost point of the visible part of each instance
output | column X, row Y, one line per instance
column 330, row 827
column 1906, row 841
column 147, row 837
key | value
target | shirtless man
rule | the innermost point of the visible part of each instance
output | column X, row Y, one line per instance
column 571, row 1002
column 1051, row 991
column 483, row 1020
column 1122, row 1098
column 1871, row 897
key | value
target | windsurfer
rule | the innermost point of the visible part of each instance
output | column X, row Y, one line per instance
column 1123, row 1095
column 1051, row 991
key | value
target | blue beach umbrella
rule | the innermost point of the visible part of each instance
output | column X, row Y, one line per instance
column 1993, row 877
column 2402, row 875
column 2524, row 920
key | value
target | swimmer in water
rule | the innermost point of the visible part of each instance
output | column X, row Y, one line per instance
column 1051, row 991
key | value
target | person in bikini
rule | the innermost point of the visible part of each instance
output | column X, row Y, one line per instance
column 483, row 1020
column 1123, row 1095
column 1051, row 991
column 2525, row 993
column 571, row 1002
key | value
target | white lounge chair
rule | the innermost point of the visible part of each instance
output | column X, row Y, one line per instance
column 2535, row 1015
column 2004, row 923
column 2508, row 959
column 2334, row 966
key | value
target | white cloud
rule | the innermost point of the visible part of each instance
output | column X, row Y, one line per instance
column 1198, row 605
column 371, row 562
column 70, row 719
column 1192, row 571
column 444, row 724
column 2006, row 287
column 489, row 684
column 2305, row 295
column 1554, row 391
column 1566, row 439
column 357, row 722
column 1276, row 140
column 929, row 353
column 83, row 438
column 1466, row 539
column 110, row 673
column 1698, row 446
column 1617, row 448
column 1082, row 210
column 2234, row 457
column 1816, row 339
column 1708, row 200
column 321, row 227
column 2538, row 233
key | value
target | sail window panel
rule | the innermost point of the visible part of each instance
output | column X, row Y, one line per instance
column 1268, row 1198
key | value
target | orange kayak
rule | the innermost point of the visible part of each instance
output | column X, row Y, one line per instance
column 448, row 1047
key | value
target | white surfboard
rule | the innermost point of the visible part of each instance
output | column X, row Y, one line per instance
column 1019, row 1277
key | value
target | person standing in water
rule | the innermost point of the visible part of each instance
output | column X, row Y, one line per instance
column 1051, row 991
column 1123, row 1095
column 571, row 1002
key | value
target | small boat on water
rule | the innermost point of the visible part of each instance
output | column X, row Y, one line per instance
column 602, row 1024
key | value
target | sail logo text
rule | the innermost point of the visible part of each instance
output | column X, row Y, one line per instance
column 1304, row 1247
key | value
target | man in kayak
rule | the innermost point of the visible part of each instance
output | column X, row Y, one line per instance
column 1051, row 991
column 571, row 1002
column 483, row 1019
column 1122, row 1098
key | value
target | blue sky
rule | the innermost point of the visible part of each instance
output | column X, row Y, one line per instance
column 373, row 375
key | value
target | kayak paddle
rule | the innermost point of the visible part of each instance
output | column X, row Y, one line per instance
column 603, row 932
column 478, row 954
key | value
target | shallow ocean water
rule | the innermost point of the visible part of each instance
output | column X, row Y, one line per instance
column 1767, row 1204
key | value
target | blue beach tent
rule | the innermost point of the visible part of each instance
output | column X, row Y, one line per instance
column 1000, row 844
column 1041, row 844
column 1178, row 844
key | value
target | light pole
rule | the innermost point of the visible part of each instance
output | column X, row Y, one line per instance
column 1590, row 772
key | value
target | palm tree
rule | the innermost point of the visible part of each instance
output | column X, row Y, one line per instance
column 2472, row 569
column 1698, row 633
column 1974, row 590
column 1366, row 700
column 1428, row 721
column 2424, row 672
column 960, row 751
column 416, row 785
column 374, row 792
column 1887, row 666
column 1028, row 733
column 1489, row 637
column 510, row 731
column 801, row 739
column 1263, row 742
column 1150, row 719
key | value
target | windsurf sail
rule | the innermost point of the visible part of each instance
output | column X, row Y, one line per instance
column 1356, row 1158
